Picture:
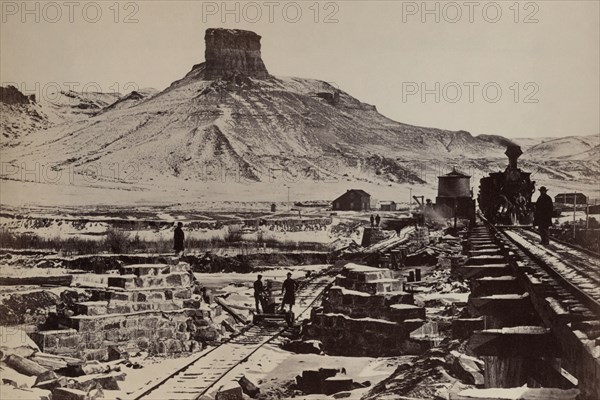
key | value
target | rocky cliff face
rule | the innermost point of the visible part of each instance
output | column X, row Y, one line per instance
column 12, row 95
column 231, row 52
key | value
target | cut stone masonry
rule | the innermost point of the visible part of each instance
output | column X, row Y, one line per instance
column 366, row 313
column 148, row 307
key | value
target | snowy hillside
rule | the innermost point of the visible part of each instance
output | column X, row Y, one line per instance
column 229, row 116
column 23, row 115
column 229, row 121
column 583, row 148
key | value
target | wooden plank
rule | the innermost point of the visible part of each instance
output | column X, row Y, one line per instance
column 231, row 311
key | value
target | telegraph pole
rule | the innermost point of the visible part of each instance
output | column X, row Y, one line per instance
column 574, row 210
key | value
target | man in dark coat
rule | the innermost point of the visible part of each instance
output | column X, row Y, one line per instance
column 288, row 289
column 377, row 220
column 178, row 238
column 543, row 215
column 372, row 221
column 259, row 295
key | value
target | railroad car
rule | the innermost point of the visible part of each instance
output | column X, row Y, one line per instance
column 505, row 197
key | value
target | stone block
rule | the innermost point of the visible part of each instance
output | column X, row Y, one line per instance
column 310, row 382
column 400, row 297
column 69, row 394
column 100, row 354
column 106, row 381
column 230, row 392
column 138, row 307
column 143, row 343
column 110, row 324
column 401, row 312
column 468, row 370
column 170, row 346
column 248, row 387
column 191, row 303
column 153, row 282
column 118, row 307
column 132, row 321
column 164, row 333
column 337, row 384
column 182, row 294
column 94, row 336
column 149, row 322
column 180, row 267
column 115, row 295
column 304, row 346
column 182, row 336
column 178, row 279
column 463, row 328
column 111, row 335
column 376, row 302
column 85, row 324
column 148, row 269
column 91, row 308
column 206, row 333
column 347, row 300
column 156, row 296
column 50, row 381
column 116, row 352
column 50, row 339
column 137, row 333
column 70, row 341
column 367, row 287
column 123, row 281
column 344, row 282
column 199, row 314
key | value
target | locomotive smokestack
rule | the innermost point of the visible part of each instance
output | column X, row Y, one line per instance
column 513, row 152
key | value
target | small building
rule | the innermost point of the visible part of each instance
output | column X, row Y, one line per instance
column 571, row 198
column 387, row 205
column 353, row 200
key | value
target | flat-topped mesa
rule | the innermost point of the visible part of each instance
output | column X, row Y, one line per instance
column 233, row 51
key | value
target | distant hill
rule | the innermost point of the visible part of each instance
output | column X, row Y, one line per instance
column 584, row 148
column 229, row 111
column 22, row 115
column 228, row 118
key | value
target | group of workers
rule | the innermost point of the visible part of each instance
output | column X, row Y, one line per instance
column 542, row 219
column 263, row 296
column 261, row 292
column 542, row 216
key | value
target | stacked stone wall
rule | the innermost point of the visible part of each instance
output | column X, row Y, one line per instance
column 367, row 314
column 148, row 307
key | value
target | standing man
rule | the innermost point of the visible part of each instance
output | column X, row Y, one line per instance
column 288, row 289
column 372, row 221
column 178, row 238
column 543, row 215
column 377, row 219
column 259, row 294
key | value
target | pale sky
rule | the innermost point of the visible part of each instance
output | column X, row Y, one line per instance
column 381, row 52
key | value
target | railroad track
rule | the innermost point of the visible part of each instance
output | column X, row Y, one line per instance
column 563, row 285
column 202, row 374
column 576, row 271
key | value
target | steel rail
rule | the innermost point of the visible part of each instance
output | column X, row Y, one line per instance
column 269, row 336
column 579, row 293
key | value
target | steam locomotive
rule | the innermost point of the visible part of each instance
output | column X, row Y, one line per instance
column 505, row 197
